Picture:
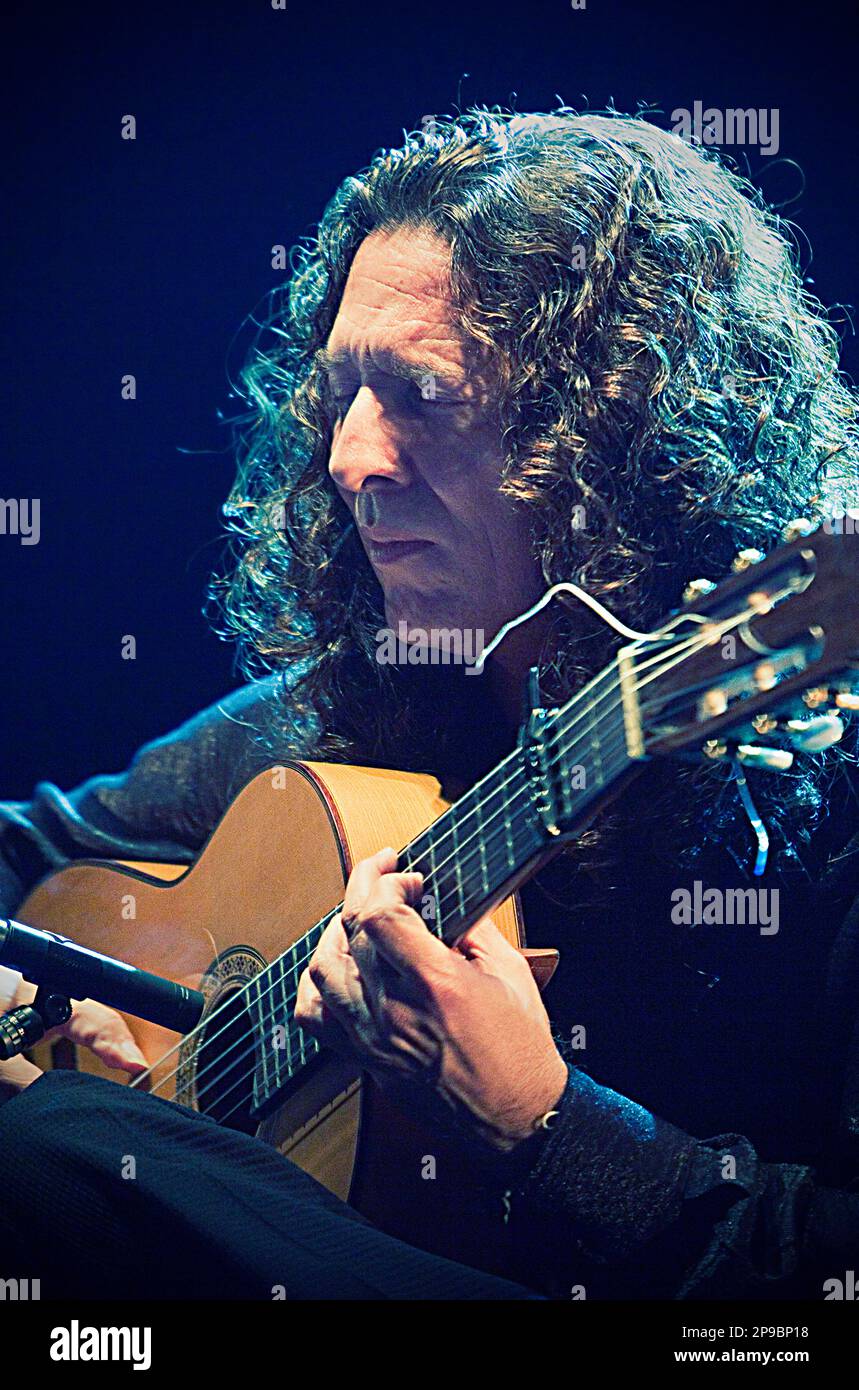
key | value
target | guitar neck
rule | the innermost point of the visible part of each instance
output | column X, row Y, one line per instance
column 470, row 856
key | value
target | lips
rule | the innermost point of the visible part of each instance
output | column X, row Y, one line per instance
column 388, row 550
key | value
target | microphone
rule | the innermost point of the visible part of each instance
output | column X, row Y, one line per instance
column 63, row 967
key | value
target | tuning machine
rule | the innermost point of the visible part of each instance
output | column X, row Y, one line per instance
column 799, row 526
column 767, row 759
column 821, row 697
column 847, row 700
column 750, row 755
column 744, row 559
column 807, row 735
column 697, row 588
column 814, row 734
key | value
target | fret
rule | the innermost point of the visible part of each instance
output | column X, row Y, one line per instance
column 454, row 867
column 431, row 878
column 595, row 744
column 262, row 1049
column 508, row 831
column 268, row 986
column 481, row 844
column 308, row 1046
column 284, row 1000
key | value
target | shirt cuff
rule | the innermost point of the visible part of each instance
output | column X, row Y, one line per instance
column 616, row 1171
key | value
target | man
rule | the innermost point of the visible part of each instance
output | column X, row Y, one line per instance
column 523, row 349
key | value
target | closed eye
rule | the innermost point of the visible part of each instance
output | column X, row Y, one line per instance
column 411, row 394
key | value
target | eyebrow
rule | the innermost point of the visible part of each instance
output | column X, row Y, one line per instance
column 394, row 365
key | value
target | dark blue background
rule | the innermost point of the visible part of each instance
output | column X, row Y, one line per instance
column 145, row 257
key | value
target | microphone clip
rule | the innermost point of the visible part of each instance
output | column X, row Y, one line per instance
column 24, row 1025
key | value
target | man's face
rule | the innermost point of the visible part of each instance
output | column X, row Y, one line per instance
column 416, row 452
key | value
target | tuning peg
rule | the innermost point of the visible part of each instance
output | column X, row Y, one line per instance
column 800, row 526
column 813, row 735
column 846, row 700
column 817, row 696
column 769, row 759
column 697, row 588
column 764, row 723
column 715, row 748
column 714, row 702
column 764, row 675
column 744, row 559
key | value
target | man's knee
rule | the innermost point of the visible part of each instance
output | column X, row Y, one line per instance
column 38, row 1121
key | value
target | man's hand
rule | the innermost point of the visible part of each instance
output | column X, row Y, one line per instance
column 466, row 1022
column 91, row 1025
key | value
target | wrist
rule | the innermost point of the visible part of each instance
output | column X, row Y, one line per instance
column 540, row 1111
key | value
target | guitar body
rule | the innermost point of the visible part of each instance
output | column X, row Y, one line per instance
column 277, row 863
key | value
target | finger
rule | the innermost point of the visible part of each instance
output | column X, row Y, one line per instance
column 105, row 1033
column 336, row 976
column 398, row 934
column 330, row 949
column 381, row 983
column 314, row 1018
column 363, row 880
column 10, row 984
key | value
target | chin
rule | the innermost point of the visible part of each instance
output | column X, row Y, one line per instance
column 442, row 608
column 426, row 617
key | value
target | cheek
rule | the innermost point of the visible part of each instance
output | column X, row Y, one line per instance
column 464, row 469
column 472, row 499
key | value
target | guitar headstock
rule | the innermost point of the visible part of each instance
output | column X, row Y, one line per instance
column 764, row 663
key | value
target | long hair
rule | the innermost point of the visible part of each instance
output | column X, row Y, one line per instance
column 668, row 390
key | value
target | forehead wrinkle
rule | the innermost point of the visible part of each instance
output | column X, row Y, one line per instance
column 394, row 360
column 404, row 328
column 435, row 289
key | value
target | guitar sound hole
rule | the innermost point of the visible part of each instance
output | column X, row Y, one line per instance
column 223, row 1082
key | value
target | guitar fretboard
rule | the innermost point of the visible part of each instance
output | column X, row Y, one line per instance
column 467, row 857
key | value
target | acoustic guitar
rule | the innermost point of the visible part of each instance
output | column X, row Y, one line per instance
column 764, row 664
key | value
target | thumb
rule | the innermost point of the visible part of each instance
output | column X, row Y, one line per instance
column 484, row 941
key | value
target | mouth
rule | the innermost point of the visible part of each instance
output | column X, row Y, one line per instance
column 389, row 552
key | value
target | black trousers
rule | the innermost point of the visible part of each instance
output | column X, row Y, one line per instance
column 112, row 1193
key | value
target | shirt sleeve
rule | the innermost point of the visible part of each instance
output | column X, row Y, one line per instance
column 162, row 808
column 617, row 1200
column 619, row 1203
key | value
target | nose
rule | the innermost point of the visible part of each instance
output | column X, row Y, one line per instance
column 368, row 450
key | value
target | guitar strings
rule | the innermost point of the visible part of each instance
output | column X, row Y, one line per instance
column 287, row 999
column 314, row 932
column 556, row 736
column 510, row 758
column 288, row 996
column 521, row 802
